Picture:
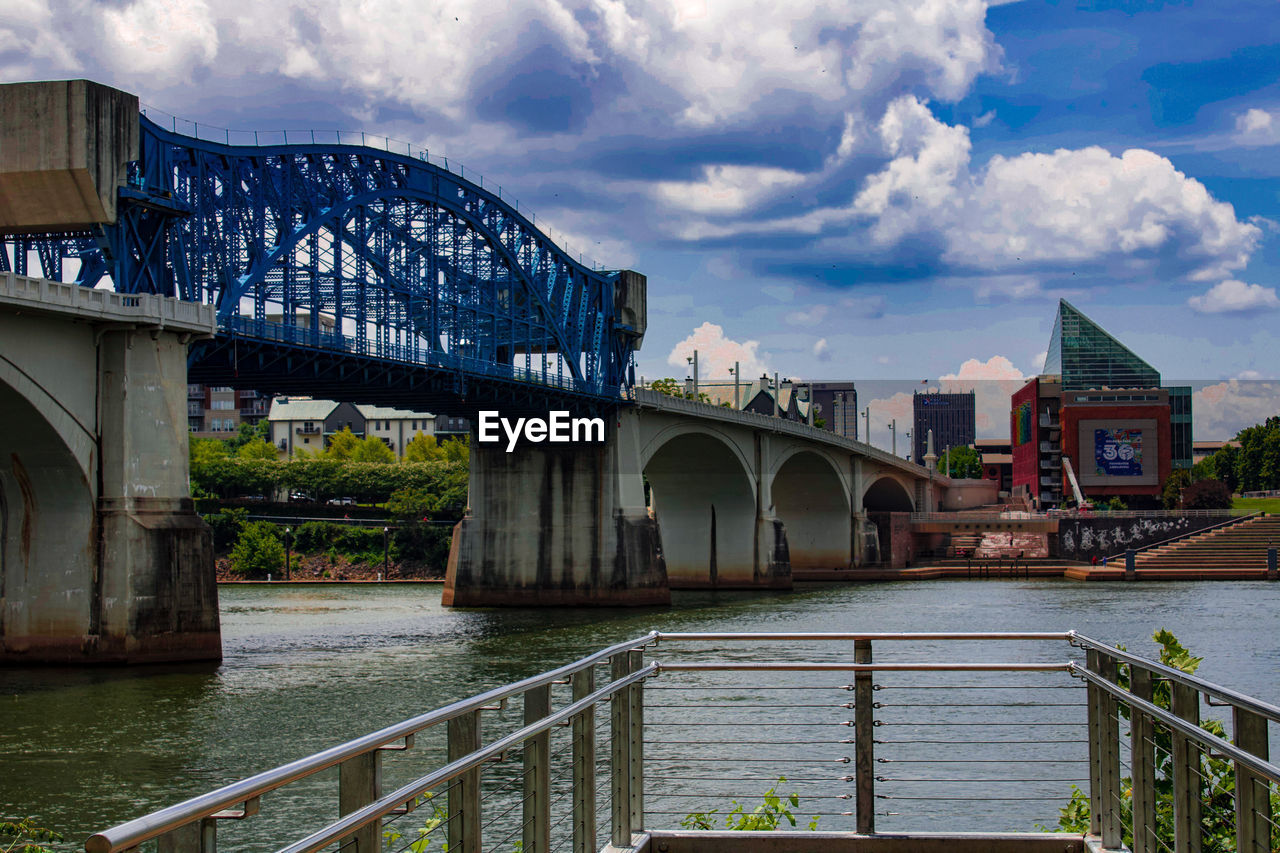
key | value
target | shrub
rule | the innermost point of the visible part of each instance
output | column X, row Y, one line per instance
column 226, row 527
column 258, row 551
column 1206, row 494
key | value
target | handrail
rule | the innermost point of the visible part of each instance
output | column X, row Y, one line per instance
column 663, row 636
column 1186, row 727
column 773, row 666
column 1235, row 519
column 134, row 832
column 1257, row 706
column 361, row 817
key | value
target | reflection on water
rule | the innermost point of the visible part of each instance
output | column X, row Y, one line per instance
column 310, row 666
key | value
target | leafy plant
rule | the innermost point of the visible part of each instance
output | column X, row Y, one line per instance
column 24, row 836
column 258, row 552
column 439, row 815
column 1218, row 786
column 774, row 809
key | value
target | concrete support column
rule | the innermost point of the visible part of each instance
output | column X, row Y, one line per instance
column 859, row 515
column 772, row 557
column 558, row 524
column 158, row 595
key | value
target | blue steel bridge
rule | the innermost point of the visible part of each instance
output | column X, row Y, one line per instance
column 356, row 273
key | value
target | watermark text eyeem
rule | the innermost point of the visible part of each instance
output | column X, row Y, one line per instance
column 556, row 428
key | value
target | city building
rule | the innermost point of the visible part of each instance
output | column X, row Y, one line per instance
column 1099, row 413
column 997, row 462
column 214, row 411
column 951, row 416
column 302, row 423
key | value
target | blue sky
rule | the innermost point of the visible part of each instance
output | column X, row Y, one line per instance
column 867, row 190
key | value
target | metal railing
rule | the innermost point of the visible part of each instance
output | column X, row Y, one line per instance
column 979, row 516
column 910, row 740
column 1229, row 521
column 45, row 295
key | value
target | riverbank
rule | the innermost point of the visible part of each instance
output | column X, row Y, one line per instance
column 1049, row 570
column 321, row 568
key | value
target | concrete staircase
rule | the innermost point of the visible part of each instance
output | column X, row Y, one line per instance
column 1235, row 547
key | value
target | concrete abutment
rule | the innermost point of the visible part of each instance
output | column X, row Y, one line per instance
column 102, row 556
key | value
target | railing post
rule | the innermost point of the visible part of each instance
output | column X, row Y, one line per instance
column 636, row 727
column 199, row 836
column 1186, row 773
column 620, row 755
column 584, row 765
column 464, row 793
column 1130, row 564
column 537, row 773
column 1112, row 838
column 1253, row 792
column 864, row 762
column 360, row 783
column 1142, row 761
column 1094, row 709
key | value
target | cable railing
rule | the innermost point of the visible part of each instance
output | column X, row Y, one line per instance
column 668, row 743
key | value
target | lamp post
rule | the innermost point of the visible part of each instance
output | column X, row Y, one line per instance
column 908, row 437
column 893, row 436
column 386, row 550
column 737, row 403
column 866, row 414
column 694, row 361
column 287, row 544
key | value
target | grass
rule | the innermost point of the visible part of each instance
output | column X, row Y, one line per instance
column 1243, row 506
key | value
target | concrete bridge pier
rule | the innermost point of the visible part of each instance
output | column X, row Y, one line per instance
column 102, row 557
column 557, row 524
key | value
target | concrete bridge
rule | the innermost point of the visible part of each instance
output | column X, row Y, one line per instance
column 102, row 556
column 682, row 495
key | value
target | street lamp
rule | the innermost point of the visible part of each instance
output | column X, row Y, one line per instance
column 908, row 436
column 737, row 404
column 694, row 361
column 893, row 436
column 386, row 551
column 287, row 543
column 866, row 414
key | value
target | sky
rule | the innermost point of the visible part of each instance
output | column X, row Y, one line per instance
column 853, row 189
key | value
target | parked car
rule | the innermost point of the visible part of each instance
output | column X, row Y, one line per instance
column 348, row 501
column 254, row 498
column 300, row 498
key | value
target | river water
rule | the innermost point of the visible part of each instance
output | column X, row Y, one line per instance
column 309, row 666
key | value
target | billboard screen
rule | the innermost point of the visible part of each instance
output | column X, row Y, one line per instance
column 1117, row 452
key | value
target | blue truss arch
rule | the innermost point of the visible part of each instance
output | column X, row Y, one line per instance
column 344, row 265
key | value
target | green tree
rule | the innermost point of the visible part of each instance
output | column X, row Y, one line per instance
column 342, row 444
column 1172, row 493
column 372, row 449
column 1257, row 463
column 965, row 462
column 257, row 449
column 261, row 431
column 1206, row 494
column 774, row 809
column 458, row 450
column 423, row 448
column 258, row 552
column 205, row 450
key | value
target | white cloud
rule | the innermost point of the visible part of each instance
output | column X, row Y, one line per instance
column 871, row 307
column 1069, row 206
column 984, row 119
column 896, row 409
column 1233, row 296
column 725, row 189
column 821, row 350
column 1007, row 289
column 1257, row 127
column 996, row 367
column 808, row 316
column 1038, row 362
column 1220, row 411
column 716, row 353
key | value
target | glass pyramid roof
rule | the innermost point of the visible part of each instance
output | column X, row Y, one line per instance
column 1085, row 356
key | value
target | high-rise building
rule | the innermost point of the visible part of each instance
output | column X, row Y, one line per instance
column 1097, row 412
column 951, row 416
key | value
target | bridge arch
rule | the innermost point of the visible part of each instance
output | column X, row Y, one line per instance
column 887, row 493
column 48, row 517
column 811, row 497
column 703, row 496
